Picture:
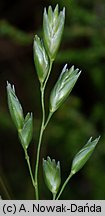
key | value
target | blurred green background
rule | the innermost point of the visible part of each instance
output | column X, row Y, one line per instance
column 83, row 114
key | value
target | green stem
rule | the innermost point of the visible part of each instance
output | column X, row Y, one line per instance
column 64, row 185
column 41, row 132
column 29, row 167
column 54, row 195
column 48, row 119
column 39, row 144
column 44, row 85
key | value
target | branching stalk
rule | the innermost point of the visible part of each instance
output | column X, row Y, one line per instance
column 39, row 144
column 64, row 185
column 48, row 119
column 44, row 55
column 50, row 67
column 29, row 167
column 41, row 132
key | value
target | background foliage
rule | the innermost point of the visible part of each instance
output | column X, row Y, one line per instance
column 82, row 115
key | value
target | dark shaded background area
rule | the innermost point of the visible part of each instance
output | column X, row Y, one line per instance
column 83, row 114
